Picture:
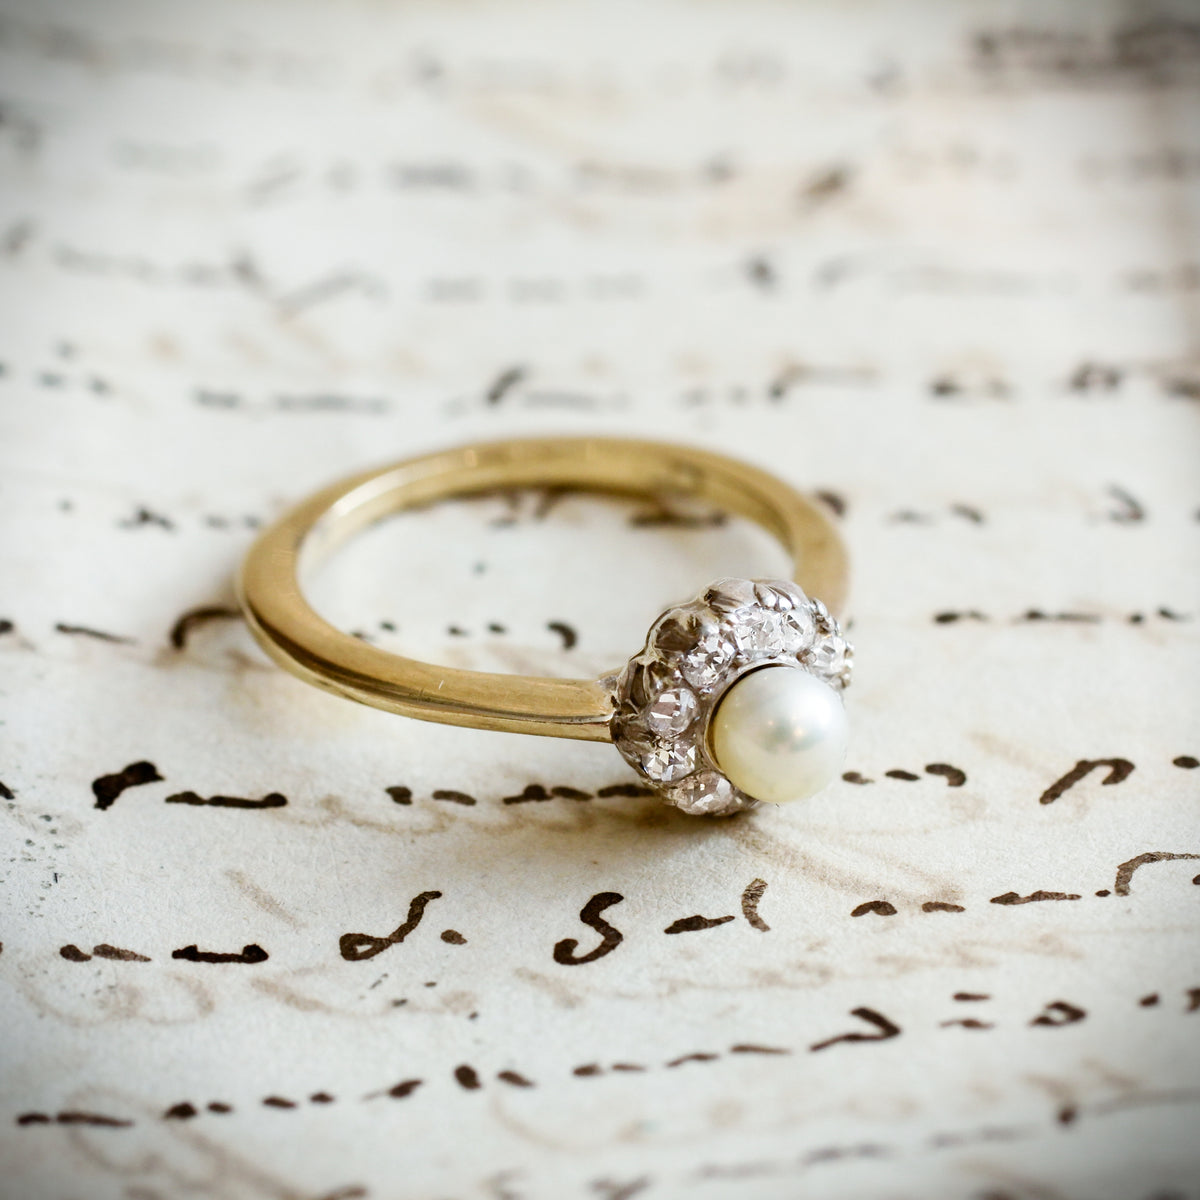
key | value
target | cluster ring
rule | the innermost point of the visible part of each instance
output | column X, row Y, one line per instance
column 736, row 696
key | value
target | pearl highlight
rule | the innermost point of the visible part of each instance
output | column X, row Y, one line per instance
column 779, row 734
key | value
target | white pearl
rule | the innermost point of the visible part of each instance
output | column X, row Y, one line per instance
column 780, row 734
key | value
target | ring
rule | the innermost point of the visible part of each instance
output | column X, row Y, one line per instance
column 735, row 697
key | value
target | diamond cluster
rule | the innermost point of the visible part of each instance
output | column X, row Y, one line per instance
column 665, row 695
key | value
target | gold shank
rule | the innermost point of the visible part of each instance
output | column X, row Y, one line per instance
column 300, row 640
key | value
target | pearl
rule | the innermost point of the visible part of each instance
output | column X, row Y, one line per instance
column 779, row 733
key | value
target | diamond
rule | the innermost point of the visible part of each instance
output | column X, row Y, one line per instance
column 668, row 761
column 703, row 666
column 763, row 632
column 672, row 712
column 706, row 793
column 803, row 626
column 829, row 656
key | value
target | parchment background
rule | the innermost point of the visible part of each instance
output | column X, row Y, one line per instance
column 936, row 261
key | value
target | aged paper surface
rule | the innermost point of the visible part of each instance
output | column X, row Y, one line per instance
column 936, row 262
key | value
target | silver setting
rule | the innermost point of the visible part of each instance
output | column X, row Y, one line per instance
column 666, row 694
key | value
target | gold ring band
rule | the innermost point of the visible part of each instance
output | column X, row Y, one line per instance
column 270, row 591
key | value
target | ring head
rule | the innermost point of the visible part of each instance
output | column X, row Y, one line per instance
column 736, row 698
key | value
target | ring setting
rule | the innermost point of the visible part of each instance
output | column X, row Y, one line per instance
column 736, row 698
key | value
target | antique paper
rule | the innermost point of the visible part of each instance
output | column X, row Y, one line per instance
column 936, row 263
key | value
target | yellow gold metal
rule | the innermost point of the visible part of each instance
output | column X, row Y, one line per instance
column 269, row 587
